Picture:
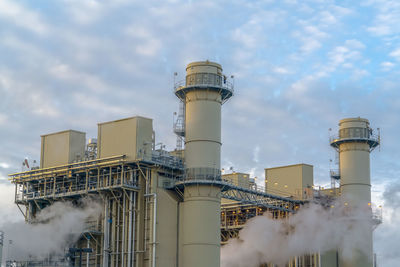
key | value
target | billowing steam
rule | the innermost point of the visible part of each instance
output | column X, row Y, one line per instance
column 55, row 228
column 311, row 230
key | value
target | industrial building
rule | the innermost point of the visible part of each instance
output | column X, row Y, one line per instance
column 175, row 208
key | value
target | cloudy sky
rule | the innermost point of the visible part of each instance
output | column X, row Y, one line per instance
column 299, row 67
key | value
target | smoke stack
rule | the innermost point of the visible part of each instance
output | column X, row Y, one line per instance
column 354, row 144
column 205, row 90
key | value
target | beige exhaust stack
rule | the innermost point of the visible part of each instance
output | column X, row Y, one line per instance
column 354, row 144
column 203, row 93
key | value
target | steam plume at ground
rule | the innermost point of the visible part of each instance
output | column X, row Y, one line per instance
column 313, row 229
column 54, row 229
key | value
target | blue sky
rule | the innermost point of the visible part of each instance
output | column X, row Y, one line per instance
column 299, row 67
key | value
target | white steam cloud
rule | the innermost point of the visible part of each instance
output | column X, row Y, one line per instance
column 311, row 230
column 55, row 228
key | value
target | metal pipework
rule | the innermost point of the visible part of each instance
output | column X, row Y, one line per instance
column 354, row 144
column 106, row 232
column 1, row 246
column 203, row 93
column 154, row 228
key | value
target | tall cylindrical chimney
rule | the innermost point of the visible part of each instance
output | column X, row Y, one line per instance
column 354, row 144
column 205, row 90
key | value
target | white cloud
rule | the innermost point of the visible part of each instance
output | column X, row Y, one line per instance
column 310, row 35
column 310, row 45
column 3, row 117
column 68, row 74
column 281, row 70
column 22, row 17
column 395, row 54
column 360, row 73
column 349, row 56
column 317, row 33
column 84, row 12
column 147, row 44
column 386, row 19
column 4, row 165
column 250, row 34
column 387, row 65
column 256, row 154
column 328, row 18
column 27, row 97
column 355, row 44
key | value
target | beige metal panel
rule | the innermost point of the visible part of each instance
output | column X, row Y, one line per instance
column 131, row 137
column 225, row 201
column 178, row 153
column 353, row 122
column 203, row 130
column 203, row 116
column 307, row 176
column 238, row 178
column 144, row 137
column 203, row 67
column 329, row 259
column 180, row 233
column 77, row 145
column 355, row 173
column 196, row 155
column 290, row 181
column 201, row 227
column 61, row 148
column 167, row 228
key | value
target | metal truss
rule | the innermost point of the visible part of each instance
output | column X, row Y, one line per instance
column 244, row 195
column 227, row 234
column 259, row 198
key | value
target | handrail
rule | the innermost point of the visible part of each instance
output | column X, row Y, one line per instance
column 372, row 137
column 182, row 84
column 62, row 167
column 228, row 185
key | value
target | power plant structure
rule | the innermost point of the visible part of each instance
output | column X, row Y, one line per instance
column 354, row 144
column 175, row 208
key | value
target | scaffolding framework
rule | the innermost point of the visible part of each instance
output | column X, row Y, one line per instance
column 121, row 235
column 124, row 233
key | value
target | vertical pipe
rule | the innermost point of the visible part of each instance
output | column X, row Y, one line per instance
column 134, row 228
column 117, row 232
column 123, row 236
column 106, row 233
column 87, row 254
column 1, row 246
column 319, row 259
column 130, row 230
column 154, row 228
column 113, row 235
